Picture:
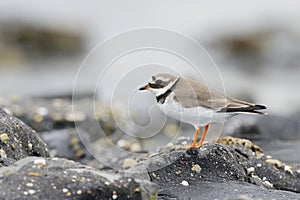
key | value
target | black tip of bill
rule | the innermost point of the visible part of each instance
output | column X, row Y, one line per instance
column 260, row 107
column 146, row 87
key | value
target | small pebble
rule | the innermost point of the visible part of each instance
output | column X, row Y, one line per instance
column 68, row 194
column 74, row 177
column 65, row 190
column 196, row 168
column 153, row 154
column 2, row 154
column 31, row 192
column 128, row 162
column 184, row 143
column 185, row 183
column 4, row 138
column 243, row 197
column 170, row 144
column 75, row 116
column 79, row 192
column 42, row 111
column 250, row 170
column 79, row 153
column 38, row 118
column 275, row 163
column 178, row 172
column 124, row 144
column 29, row 146
column 89, row 192
column 135, row 147
column 288, row 169
column 34, row 174
column 259, row 165
column 137, row 190
column 40, row 161
column 268, row 184
column 268, row 156
column 29, row 184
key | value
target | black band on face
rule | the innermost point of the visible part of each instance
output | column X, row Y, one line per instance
column 155, row 85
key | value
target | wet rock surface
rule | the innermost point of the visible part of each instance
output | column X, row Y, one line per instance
column 265, row 128
column 228, row 168
column 57, row 178
column 204, row 173
column 68, row 146
column 226, row 190
column 277, row 135
column 17, row 140
column 77, row 127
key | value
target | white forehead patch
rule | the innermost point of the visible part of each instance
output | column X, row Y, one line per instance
column 150, row 80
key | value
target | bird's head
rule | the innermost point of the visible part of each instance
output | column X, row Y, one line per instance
column 160, row 83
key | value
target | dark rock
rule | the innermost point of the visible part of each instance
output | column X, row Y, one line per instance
column 47, row 114
column 70, row 127
column 184, row 174
column 55, row 178
column 232, row 168
column 278, row 136
column 75, row 144
column 110, row 155
column 272, row 48
column 68, row 145
column 37, row 42
column 6, row 161
column 264, row 128
column 286, row 151
column 17, row 140
column 227, row 190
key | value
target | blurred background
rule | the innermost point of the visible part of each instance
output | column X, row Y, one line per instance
column 254, row 45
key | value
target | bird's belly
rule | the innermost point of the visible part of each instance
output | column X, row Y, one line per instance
column 197, row 116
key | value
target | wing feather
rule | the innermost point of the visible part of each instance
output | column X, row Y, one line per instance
column 192, row 94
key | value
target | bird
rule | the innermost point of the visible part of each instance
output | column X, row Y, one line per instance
column 195, row 103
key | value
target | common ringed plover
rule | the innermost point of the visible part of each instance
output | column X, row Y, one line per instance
column 194, row 103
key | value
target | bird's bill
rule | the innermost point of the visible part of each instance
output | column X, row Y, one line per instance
column 146, row 87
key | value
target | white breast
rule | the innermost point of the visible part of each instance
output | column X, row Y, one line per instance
column 197, row 116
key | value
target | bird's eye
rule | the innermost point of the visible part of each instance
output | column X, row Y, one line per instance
column 158, row 82
column 156, row 85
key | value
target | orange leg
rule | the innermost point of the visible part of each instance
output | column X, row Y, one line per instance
column 203, row 136
column 193, row 145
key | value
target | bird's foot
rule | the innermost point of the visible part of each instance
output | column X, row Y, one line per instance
column 198, row 146
column 193, row 146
